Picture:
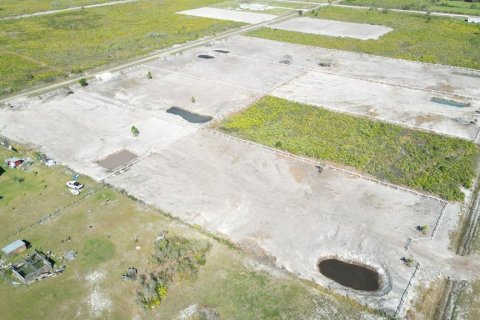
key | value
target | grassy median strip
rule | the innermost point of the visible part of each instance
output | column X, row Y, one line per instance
column 72, row 42
column 416, row 159
column 415, row 37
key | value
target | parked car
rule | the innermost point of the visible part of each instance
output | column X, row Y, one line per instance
column 74, row 185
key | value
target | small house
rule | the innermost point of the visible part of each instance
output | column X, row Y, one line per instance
column 14, row 162
column 15, row 248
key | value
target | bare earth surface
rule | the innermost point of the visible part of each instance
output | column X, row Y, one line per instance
column 263, row 200
column 333, row 28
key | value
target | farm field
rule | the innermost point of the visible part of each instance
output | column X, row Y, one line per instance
column 418, row 160
column 414, row 37
column 111, row 232
column 447, row 6
column 10, row 8
column 41, row 49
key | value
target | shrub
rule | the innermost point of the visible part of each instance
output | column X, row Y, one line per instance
column 135, row 131
column 173, row 257
column 83, row 82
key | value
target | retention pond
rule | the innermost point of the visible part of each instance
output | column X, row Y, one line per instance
column 189, row 116
column 350, row 275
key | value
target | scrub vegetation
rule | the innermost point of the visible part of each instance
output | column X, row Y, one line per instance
column 10, row 8
column 448, row 6
column 416, row 159
column 41, row 49
column 414, row 37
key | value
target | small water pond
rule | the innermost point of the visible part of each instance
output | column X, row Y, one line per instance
column 350, row 275
column 189, row 116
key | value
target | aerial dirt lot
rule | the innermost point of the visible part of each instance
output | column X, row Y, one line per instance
column 276, row 205
column 284, row 206
column 333, row 28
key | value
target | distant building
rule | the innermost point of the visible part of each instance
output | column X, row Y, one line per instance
column 34, row 267
column 473, row 19
column 15, row 248
column 14, row 162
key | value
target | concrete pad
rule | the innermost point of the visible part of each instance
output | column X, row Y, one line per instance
column 231, row 15
column 395, row 104
column 80, row 129
column 333, row 28
column 450, row 80
column 284, row 206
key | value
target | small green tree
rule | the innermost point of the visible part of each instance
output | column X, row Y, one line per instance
column 149, row 75
column 423, row 229
column 135, row 131
column 409, row 262
column 83, row 82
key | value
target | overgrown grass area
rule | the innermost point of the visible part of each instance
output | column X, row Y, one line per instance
column 415, row 37
column 10, row 8
column 111, row 232
column 43, row 48
column 419, row 160
column 448, row 6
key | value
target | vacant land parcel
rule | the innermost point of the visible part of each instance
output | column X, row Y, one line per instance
column 402, row 156
column 109, row 233
column 59, row 44
column 414, row 37
column 270, row 203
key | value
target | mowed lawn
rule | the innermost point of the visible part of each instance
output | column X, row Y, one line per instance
column 40, row 49
column 419, row 160
column 448, row 6
column 415, row 37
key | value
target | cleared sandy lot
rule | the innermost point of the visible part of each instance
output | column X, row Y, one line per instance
column 283, row 206
column 395, row 104
column 267, row 202
column 167, row 89
column 333, row 28
column 450, row 80
column 232, row 15
column 82, row 128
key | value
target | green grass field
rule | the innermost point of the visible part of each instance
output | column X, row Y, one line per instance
column 415, row 37
column 41, row 49
column 419, row 160
column 10, row 8
column 111, row 232
column 447, row 6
